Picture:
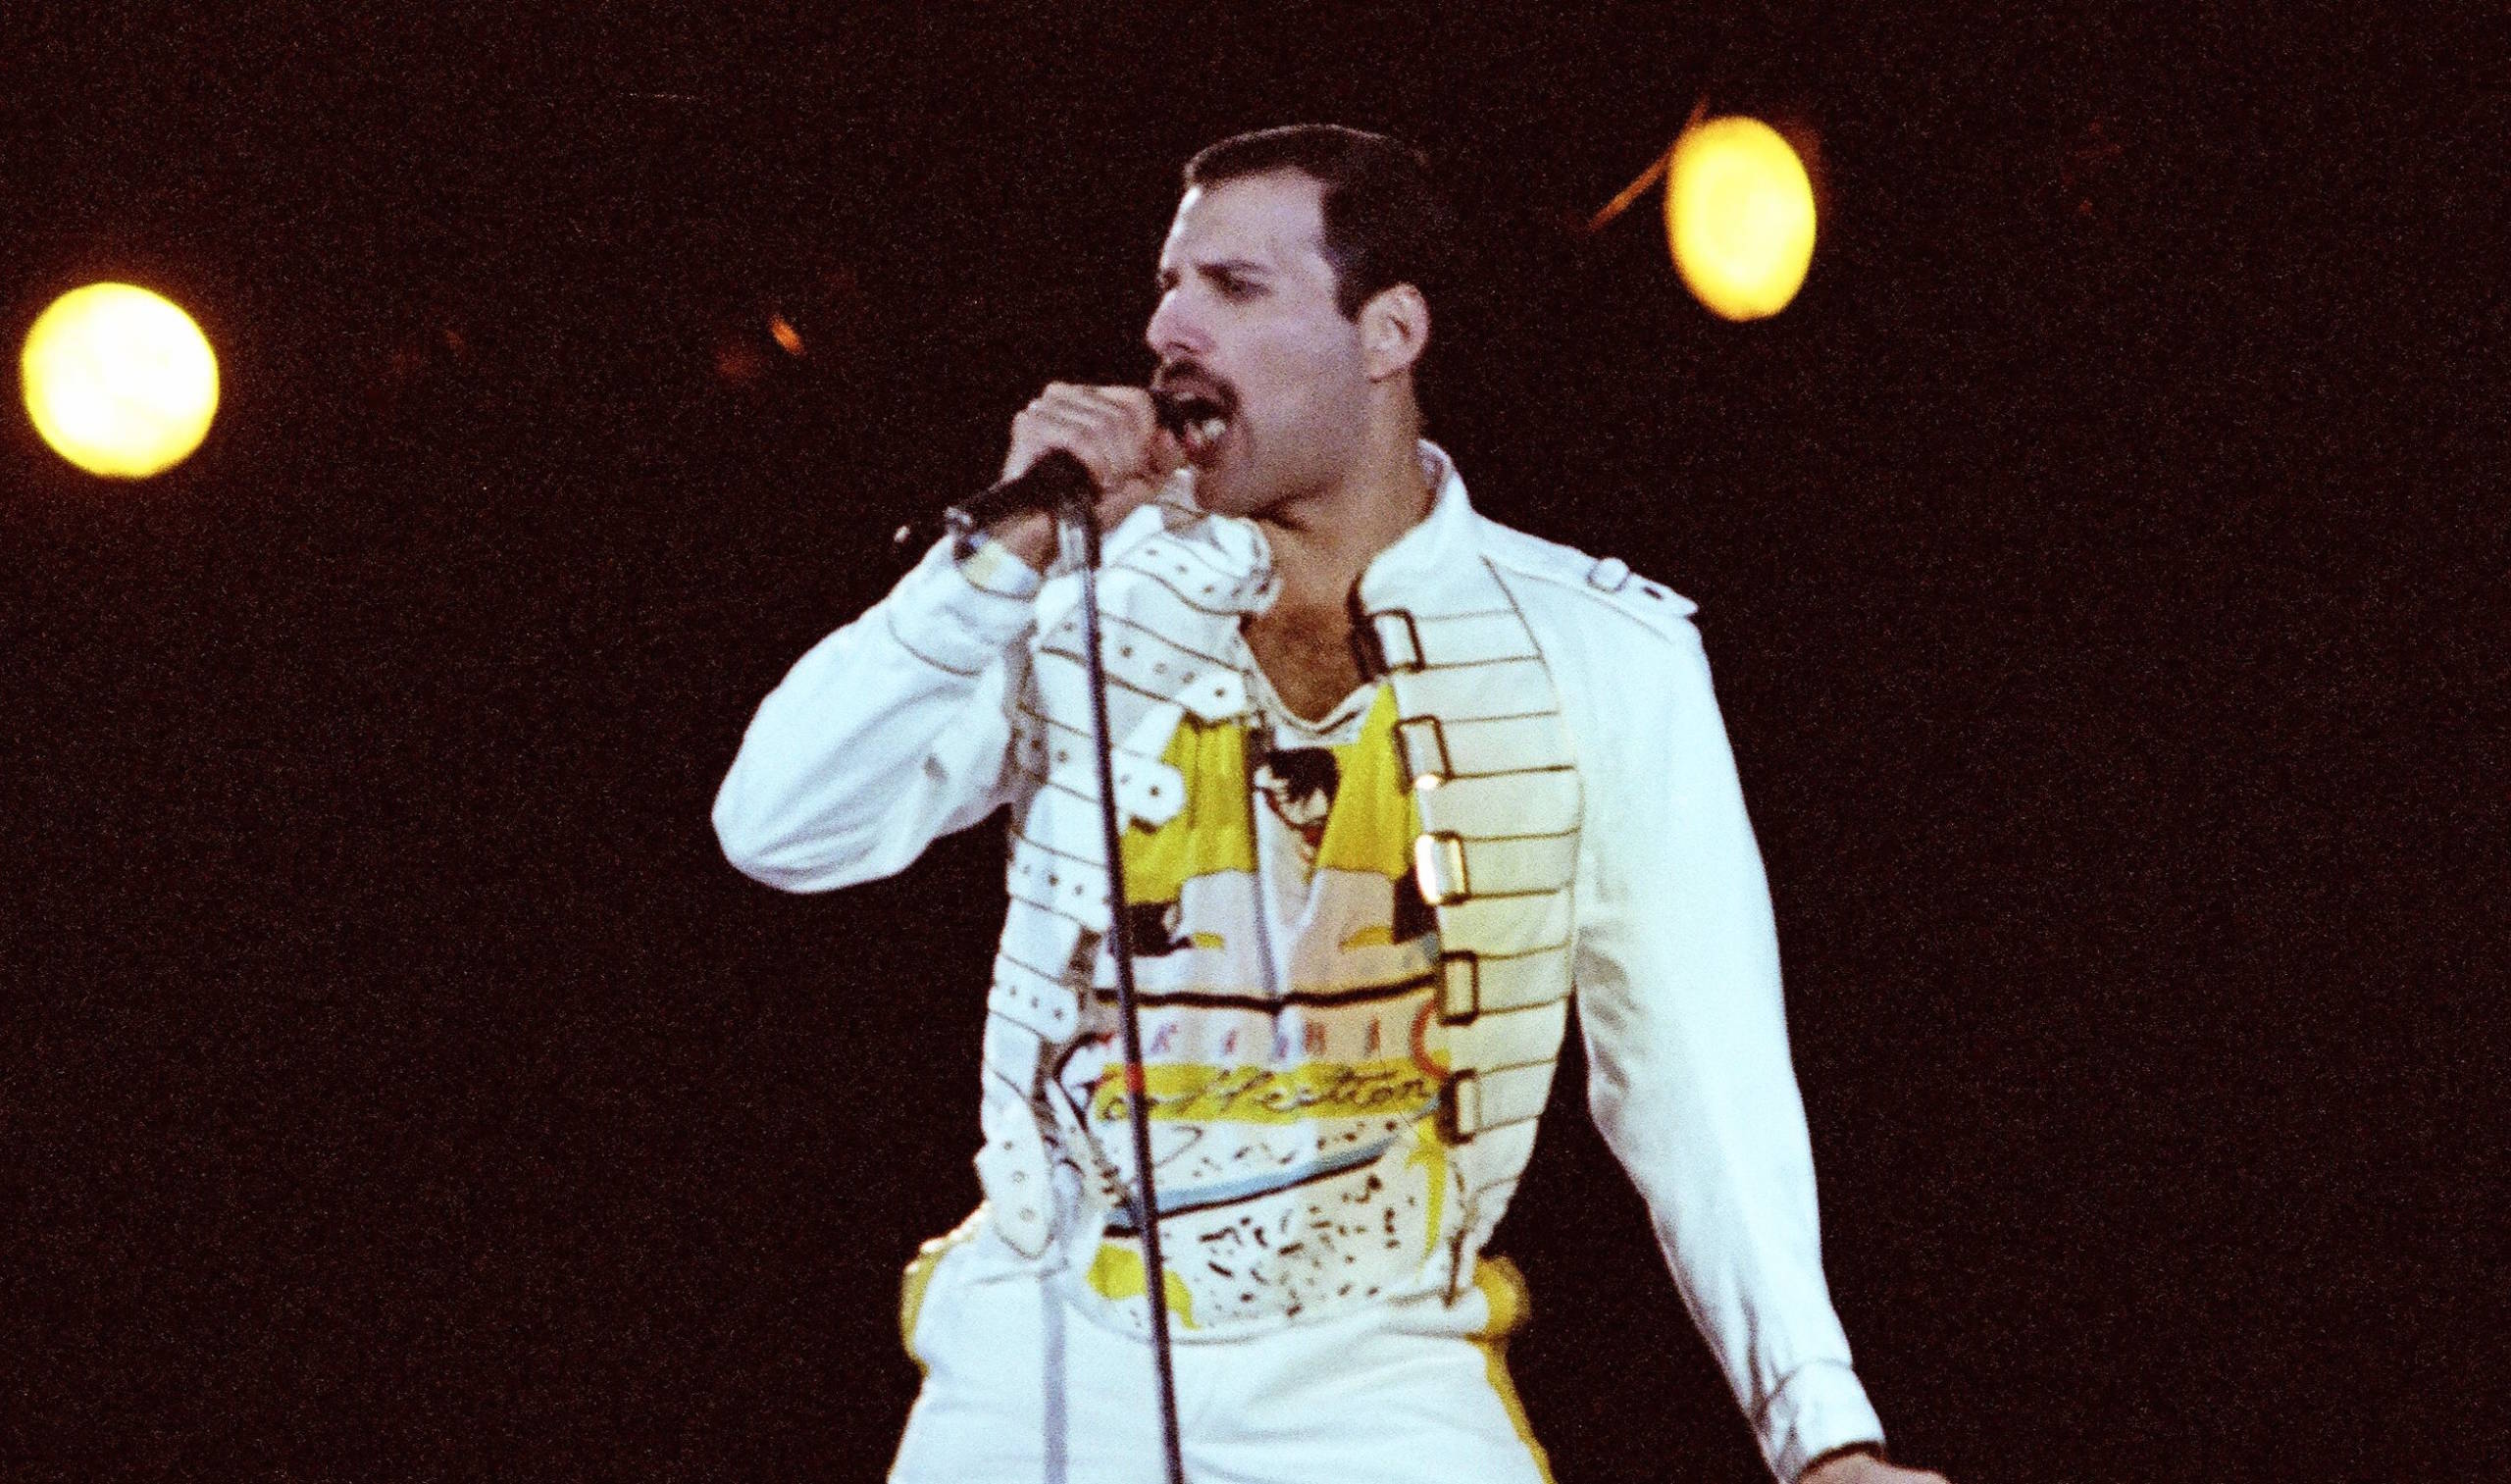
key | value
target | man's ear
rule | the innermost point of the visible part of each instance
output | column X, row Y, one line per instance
column 1395, row 328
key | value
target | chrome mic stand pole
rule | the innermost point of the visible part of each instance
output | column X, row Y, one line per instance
column 1078, row 511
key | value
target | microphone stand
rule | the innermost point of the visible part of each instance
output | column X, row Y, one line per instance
column 1076, row 509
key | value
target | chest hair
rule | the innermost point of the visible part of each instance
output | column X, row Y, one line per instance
column 1307, row 655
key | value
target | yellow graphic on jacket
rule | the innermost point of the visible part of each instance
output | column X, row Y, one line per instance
column 1293, row 1058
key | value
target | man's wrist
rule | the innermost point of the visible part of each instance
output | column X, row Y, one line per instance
column 995, row 566
column 1031, row 538
column 1815, row 1465
column 1820, row 1409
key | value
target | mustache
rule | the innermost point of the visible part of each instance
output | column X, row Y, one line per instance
column 1186, row 382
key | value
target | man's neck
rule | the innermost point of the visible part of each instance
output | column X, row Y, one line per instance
column 1322, row 543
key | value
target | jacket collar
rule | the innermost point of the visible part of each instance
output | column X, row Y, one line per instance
column 1433, row 567
column 1438, row 563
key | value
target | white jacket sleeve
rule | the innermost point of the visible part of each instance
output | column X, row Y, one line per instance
column 891, row 732
column 1690, row 1081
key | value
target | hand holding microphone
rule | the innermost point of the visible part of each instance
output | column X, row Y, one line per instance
column 1112, row 434
column 1113, row 446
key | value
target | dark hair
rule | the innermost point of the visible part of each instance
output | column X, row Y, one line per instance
column 1384, row 222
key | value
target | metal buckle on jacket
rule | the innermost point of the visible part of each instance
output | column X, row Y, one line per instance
column 1459, row 989
column 1385, row 641
column 1421, row 749
column 1438, row 864
column 1460, row 1108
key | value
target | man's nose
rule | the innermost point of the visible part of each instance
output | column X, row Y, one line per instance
column 1175, row 331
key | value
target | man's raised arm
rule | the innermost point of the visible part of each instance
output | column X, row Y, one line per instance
column 896, row 729
column 891, row 732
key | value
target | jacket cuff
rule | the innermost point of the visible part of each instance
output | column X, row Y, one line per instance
column 960, row 616
column 990, row 566
column 1820, row 1409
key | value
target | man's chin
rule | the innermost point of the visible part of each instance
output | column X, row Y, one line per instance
column 1215, row 494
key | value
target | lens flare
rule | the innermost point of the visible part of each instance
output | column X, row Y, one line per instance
column 118, row 381
column 1739, row 217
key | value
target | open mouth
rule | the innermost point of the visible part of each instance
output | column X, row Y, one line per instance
column 1195, row 409
column 1201, row 437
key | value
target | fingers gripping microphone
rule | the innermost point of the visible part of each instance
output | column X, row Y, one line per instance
column 1058, row 479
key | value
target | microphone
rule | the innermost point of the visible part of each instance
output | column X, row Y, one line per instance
column 1057, row 479
column 1054, row 480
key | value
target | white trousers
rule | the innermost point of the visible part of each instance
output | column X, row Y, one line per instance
column 1021, row 1389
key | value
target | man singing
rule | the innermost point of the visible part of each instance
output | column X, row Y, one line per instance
column 1394, row 780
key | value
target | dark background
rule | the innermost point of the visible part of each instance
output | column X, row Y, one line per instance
column 2098, row 561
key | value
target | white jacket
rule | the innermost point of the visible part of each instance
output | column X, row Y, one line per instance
column 899, row 728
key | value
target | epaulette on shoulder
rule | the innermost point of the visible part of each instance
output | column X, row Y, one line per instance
column 1606, row 580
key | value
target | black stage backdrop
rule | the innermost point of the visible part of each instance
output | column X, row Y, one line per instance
column 395, row 1083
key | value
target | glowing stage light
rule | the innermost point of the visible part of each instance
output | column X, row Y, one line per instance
column 1739, row 216
column 118, row 381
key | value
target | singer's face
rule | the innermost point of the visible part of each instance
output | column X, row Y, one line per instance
column 1247, row 308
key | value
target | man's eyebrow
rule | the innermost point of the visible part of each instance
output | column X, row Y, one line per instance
column 1243, row 267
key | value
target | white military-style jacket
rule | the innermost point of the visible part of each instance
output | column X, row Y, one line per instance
column 1580, row 830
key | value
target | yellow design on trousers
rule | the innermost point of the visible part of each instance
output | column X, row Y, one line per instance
column 919, row 1276
column 1504, row 1290
column 1117, row 1273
